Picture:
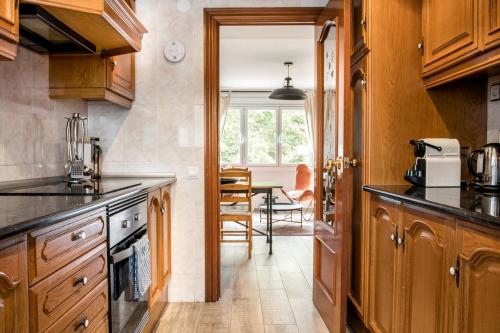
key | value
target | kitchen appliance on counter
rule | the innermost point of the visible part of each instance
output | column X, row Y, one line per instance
column 96, row 158
column 127, row 224
column 77, row 142
column 484, row 165
column 437, row 163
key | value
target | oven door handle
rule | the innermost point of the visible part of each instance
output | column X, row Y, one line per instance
column 117, row 257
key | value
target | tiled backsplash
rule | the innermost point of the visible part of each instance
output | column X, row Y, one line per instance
column 32, row 126
column 493, row 113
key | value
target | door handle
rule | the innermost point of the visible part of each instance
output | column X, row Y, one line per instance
column 350, row 163
column 336, row 163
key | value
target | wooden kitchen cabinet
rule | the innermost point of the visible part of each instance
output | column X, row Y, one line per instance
column 9, row 29
column 154, row 232
column 13, row 286
column 450, row 32
column 491, row 23
column 459, row 38
column 427, row 253
column 478, row 276
column 385, row 220
column 165, row 264
column 359, row 27
column 93, row 78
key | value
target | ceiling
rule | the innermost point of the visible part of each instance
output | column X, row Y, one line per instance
column 251, row 57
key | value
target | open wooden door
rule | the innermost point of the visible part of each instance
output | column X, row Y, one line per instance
column 334, row 183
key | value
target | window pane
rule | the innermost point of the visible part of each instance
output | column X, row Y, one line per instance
column 230, row 148
column 295, row 146
column 261, row 136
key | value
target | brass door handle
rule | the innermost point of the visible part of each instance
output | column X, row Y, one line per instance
column 336, row 163
column 348, row 163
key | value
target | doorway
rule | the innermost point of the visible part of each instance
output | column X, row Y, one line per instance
column 331, row 242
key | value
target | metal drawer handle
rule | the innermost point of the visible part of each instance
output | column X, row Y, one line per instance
column 82, row 279
column 81, row 235
column 137, row 217
column 84, row 322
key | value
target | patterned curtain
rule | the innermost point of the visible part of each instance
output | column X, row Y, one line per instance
column 310, row 118
column 224, row 101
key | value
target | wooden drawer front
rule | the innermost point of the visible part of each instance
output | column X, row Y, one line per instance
column 101, row 326
column 91, row 309
column 53, row 296
column 53, row 247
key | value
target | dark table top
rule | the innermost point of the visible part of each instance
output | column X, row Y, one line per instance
column 22, row 213
column 465, row 203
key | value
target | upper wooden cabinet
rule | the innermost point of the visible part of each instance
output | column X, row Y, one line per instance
column 459, row 38
column 13, row 287
column 9, row 29
column 93, row 78
column 450, row 30
column 358, row 29
column 491, row 22
column 111, row 25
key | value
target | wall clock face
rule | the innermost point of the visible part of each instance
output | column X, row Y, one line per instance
column 174, row 51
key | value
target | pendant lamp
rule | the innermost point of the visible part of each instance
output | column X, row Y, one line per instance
column 288, row 92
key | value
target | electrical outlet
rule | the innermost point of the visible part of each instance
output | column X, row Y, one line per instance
column 495, row 92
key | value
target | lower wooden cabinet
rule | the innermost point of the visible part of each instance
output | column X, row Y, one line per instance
column 13, row 286
column 431, row 273
column 159, row 227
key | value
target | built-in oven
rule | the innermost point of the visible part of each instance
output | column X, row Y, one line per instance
column 127, row 223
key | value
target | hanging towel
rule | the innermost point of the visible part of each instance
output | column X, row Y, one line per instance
column 139, row 270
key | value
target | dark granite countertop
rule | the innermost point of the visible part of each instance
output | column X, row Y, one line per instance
column 22, row 213
column 465, row 203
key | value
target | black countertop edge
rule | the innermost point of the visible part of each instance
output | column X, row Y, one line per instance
column 101, row 201
column 466, row 214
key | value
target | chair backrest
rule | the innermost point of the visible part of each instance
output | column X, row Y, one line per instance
column 303, row 178
column 239, row 191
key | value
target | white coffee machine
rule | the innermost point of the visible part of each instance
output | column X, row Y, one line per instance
column 437, row 163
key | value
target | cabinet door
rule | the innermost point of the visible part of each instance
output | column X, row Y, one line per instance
column 121, row 75
column 479, row 281
column 384, row 221
column 491, row 22
column 9, row 22
column 427, row 256
column 165, row 255
column 359, row 197
column 13, row 288
column 450, row 32
column 358, row 27
column 154, row 228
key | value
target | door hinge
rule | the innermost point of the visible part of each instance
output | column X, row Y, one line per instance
column 420, row 46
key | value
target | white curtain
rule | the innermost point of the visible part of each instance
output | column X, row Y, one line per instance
column 309, row 104
column 224, row 101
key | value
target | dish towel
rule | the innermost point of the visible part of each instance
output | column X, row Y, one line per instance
column 139, row 270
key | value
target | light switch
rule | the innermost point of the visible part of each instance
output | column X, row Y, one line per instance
column 192, row 172
column 495, row 92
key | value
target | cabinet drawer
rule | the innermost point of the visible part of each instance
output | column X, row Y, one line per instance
column 53, row 296
column 101, row 326
column 53, row 247
column 87, row 314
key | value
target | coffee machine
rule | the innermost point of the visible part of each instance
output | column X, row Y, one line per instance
column 437, row 163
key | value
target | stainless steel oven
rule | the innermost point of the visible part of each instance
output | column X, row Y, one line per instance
column 127, row 222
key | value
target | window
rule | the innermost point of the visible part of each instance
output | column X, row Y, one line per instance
column 265, row 136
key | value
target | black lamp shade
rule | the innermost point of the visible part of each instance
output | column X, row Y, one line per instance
column 288, row 94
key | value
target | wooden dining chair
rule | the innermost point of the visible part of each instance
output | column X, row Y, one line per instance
column 236, row 205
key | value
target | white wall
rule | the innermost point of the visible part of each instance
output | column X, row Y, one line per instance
column 164, row 129
column 32, row 126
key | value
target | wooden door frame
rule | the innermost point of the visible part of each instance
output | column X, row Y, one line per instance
column 213, row 19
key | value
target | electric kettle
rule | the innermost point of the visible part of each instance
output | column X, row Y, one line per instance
column 484, row 165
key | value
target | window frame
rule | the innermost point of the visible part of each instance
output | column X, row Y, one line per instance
column 278, row 109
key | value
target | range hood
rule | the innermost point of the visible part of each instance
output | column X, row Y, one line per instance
column 42, row 32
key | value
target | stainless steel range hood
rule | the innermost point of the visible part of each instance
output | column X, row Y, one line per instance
column 42, row 32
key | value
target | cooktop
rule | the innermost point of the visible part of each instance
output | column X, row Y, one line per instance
column 63, row 187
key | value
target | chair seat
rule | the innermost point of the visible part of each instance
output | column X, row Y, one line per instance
column 235, row 210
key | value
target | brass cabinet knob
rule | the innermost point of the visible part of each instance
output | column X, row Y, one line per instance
column 114, row 63
column 81, row 280
column 79, row 236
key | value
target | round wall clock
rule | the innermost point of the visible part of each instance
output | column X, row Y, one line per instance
column 174, row 51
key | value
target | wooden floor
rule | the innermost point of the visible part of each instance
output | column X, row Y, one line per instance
column 267, row 294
